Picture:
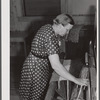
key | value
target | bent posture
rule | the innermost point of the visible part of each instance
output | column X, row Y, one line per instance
column 44, row 54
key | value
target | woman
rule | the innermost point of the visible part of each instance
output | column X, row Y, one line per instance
column 43, row 55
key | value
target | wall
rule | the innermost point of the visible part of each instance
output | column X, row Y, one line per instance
column 82, row 11
column 15, row 13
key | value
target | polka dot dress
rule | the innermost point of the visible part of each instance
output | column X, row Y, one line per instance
column 36, row 72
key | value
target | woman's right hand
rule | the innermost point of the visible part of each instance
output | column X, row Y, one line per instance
column 82, row 82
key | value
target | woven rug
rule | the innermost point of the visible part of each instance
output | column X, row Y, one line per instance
column 73, row 36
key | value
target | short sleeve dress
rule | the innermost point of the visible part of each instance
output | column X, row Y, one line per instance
column 36, row 72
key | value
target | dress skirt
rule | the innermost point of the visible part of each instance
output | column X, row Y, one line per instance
column 35, row 77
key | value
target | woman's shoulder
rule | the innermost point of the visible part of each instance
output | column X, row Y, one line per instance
column 47, row 26
column 47, row 29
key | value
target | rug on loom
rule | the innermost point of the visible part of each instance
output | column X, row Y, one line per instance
column 73, row 36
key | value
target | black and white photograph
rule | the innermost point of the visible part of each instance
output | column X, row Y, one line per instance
column 53, row 52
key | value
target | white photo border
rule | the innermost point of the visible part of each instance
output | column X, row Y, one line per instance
column 5, row 49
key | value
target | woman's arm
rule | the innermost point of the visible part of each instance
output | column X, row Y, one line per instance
column 59, row 69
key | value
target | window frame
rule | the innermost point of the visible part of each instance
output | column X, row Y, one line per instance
column 21, row 15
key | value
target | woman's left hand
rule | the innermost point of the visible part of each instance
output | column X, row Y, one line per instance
column 82, row 82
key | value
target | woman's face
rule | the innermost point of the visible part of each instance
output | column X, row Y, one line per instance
column 60, row 28
column 64, row 30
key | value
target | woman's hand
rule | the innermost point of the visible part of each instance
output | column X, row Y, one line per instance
column 82, row 82
column 61, row 70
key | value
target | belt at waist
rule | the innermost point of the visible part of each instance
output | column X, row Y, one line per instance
column 45, row 57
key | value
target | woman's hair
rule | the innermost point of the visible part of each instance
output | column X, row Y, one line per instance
column 71, row 19
column 64, row 19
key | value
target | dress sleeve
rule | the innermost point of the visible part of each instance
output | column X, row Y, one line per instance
column 51, row 45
